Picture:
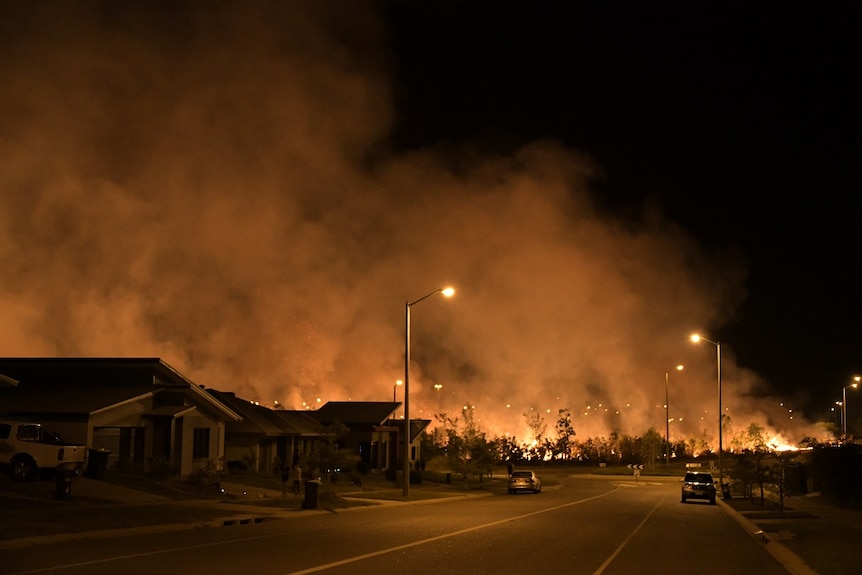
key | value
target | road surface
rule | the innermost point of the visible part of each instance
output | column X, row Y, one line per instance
column 578, row 524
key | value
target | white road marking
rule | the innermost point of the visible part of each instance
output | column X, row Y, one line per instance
column 613, row 555
column 439, row 537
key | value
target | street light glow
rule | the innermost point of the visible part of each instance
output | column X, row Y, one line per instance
column 854, row 385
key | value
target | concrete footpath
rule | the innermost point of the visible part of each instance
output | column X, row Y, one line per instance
column 812, row 537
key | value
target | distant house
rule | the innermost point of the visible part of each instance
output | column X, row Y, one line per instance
column 141, row 410
column 377, row 438
column 266, row 439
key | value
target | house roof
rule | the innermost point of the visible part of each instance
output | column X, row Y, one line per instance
column 68, row 401
column 170, row 410
column 301, row 421
column 355, row 413
column 93, row 371
column 417, row 426
column 81, row 385
column 6, row 381
column 256, row 419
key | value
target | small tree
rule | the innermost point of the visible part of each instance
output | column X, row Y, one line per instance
column 743, row 472
column 537, row 426
column 776, row 475
column 650, row 448
column 752, row 443
column 468, row 452
column 508, row 449
column 329, row 456
column 565, row 435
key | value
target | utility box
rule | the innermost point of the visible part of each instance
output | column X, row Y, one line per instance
column 97, row 463
column 312, row 488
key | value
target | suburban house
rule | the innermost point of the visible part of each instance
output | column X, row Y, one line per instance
column 266, row 440
column 140, row 410
column 377, row 438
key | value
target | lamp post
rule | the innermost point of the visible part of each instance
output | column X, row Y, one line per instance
column 398, row 383
column 697, row 338
column 854, row 385
column 840, row 414
column 667, row 415
column 448, row 292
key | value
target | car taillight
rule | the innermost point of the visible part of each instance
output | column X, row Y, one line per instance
column 60, row 454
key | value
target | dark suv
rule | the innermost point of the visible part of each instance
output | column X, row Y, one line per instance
column 698, row 485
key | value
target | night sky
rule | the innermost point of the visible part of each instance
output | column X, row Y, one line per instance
column 741, row 124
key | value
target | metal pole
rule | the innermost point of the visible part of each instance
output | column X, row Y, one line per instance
column 840, row 415
column 666, row 420
column 718, row 363
column 406, row 463
column 844, row 414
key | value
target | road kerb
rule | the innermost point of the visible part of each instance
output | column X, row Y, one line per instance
column 790, row 560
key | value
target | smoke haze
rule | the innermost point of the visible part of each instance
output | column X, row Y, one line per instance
column 216, row 187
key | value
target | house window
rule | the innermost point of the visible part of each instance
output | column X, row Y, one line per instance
column 201, row 448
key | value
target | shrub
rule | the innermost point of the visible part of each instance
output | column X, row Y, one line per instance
column 205, row 476
column 161, row 468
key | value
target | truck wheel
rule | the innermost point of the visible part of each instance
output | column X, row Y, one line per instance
column 23, row 469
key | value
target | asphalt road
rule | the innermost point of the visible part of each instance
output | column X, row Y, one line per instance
column 586, row 525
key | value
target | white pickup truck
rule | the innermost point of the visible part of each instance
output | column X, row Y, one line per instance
column 28, row 448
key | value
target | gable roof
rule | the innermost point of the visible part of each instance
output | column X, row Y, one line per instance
column 355, row 413
column 301, row 421
column 256, row 419
column 83, row 385
column 94, row 371
column 417, row 426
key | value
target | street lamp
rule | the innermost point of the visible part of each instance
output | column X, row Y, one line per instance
column 667, row 415
column 398, row 382
column 854, row 385
column 696, row 338
column 448, row 292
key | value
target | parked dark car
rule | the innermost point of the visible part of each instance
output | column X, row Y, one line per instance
column 698, row 485
column 525, row 480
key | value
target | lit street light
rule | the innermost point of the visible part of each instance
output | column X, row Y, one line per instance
column 696, row 338
column 398, row 382
column 854, row 385
column 667, row 415
column 448, row 292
